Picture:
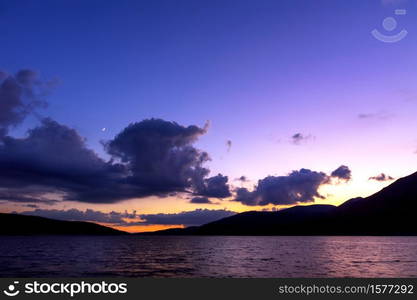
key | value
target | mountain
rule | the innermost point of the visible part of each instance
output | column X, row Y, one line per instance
column 391, row 211
column 172, row 231
column 14, row 224
column 291, row 221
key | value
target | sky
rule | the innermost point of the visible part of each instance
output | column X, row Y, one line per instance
column 232, row 106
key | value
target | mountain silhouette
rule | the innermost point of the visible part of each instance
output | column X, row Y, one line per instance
column 14, row 224
column 391, row 211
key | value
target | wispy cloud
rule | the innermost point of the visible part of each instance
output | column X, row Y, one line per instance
column 228, row 145
column 300, row 138
column 376, row 116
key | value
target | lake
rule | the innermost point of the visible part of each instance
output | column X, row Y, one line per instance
column 207, row 256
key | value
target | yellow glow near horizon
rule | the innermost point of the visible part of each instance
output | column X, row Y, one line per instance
column 142, row 228
column 335, row 194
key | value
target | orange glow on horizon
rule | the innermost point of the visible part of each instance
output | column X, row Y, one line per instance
column 141, row 228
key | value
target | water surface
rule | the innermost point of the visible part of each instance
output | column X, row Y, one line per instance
column 207, row 256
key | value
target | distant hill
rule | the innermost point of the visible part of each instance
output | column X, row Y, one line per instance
column 171, row 231
column 14, row 224
column 291, row 221
column 391, row 211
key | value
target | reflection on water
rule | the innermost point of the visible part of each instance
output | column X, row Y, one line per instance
column 211, row 256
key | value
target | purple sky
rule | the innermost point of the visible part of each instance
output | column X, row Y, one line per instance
column 261, row 72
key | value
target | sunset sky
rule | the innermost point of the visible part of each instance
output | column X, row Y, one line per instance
column 292, row 102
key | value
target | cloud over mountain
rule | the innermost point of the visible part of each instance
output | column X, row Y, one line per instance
column 187, row 218
column 297, row 187
column 382, row 177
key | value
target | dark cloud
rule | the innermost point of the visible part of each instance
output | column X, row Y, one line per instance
column 159, row 155
column 19, row 196
column 201, row 200
column 297, row 187
column 31, row 205
column 215, row 187
column 381, row 177
column 89, row 215
column 343, row 173
column 242, row 179
column 20, row 94
column 299, row 138
column 54, row 158
column 229, row 145
column 152, row 157
column 366, row 116
column 246, row 197
column 188, row 218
